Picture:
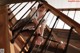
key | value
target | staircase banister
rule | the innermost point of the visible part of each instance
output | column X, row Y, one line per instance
column 3, row 2
column 63, row 17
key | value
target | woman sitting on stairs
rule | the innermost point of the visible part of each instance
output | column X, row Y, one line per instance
column 35, row 20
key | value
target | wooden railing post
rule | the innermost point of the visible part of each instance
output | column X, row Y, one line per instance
column 4, row 37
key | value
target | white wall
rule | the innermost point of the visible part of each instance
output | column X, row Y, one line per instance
column 64, row 4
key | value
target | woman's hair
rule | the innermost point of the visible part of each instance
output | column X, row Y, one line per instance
column 41, row 5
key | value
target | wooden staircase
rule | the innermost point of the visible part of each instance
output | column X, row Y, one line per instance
column 55, row 44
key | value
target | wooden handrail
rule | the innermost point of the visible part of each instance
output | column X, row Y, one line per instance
column 63, row 17
column 3, row 2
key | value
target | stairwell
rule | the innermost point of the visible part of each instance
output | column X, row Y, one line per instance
column 56, row 43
